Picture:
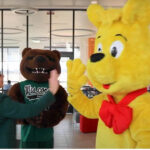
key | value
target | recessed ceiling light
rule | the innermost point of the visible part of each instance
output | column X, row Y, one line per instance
column 36, row 41
column 30, row 25
column 9, row 41
column 11, row 30
column 25, row 11
column 39, row 39
column 67, row 32
column 94, row 2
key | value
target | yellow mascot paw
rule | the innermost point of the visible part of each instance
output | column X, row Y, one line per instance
column 75, row 78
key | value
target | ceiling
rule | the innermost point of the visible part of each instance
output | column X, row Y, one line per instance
column 58, row 3
column 39, row 22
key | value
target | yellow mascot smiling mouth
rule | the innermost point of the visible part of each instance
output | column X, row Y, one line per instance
column 120, row 69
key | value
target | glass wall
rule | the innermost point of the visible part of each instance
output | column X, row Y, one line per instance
column 83, row 31
column 62, row 30
column 39, row 30
column 11, row 64
column 62, row 36
column 67, row 31
column 14, row 41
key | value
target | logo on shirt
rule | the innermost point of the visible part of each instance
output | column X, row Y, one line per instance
column 34, row 93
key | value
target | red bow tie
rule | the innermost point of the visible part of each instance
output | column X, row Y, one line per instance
column 118, row 116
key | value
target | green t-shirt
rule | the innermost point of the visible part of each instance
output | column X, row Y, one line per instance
column 32, row 91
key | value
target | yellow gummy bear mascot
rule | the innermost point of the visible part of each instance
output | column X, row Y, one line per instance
column 120, row 69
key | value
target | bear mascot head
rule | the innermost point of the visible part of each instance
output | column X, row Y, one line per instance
column 35, row 66
column 120, row 69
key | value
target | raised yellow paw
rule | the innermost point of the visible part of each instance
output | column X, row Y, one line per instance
column 75, row 78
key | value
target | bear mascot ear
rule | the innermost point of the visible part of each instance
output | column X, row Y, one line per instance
column 99, row 16
column 25, row 51
column 137, row 10
column 57, row 53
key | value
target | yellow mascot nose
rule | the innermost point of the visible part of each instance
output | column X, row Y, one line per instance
column 96, row 57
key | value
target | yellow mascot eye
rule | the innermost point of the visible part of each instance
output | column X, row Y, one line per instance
column 116, row 49
column 99, row 49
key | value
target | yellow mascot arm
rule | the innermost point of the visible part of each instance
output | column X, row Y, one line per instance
column 76, row 79
column 87, row 107
column 140, row 127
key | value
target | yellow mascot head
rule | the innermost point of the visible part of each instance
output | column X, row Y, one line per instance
column 121, row 59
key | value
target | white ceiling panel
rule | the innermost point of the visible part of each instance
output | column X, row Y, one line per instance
column 58, row 3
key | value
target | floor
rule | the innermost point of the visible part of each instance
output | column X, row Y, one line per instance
column 67, row 135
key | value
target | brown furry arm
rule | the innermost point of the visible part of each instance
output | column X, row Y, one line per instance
column 58, row 109
column 15, row 93
column 54, row 114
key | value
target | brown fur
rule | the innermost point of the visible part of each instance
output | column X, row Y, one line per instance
column 35, row 58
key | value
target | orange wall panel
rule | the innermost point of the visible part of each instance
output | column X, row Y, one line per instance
column 91, row 44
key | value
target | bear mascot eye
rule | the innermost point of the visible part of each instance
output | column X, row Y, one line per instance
column 116, row 49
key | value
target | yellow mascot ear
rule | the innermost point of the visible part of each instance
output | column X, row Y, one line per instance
column 136, row 10
column 95, row 14
column 99, row 16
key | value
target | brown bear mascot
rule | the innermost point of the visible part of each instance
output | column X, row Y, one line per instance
column 35, row 66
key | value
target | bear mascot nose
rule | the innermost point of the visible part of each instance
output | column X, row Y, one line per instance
column 96, row 57
column 40, row 59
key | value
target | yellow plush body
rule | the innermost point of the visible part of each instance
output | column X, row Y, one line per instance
column 121, row 60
